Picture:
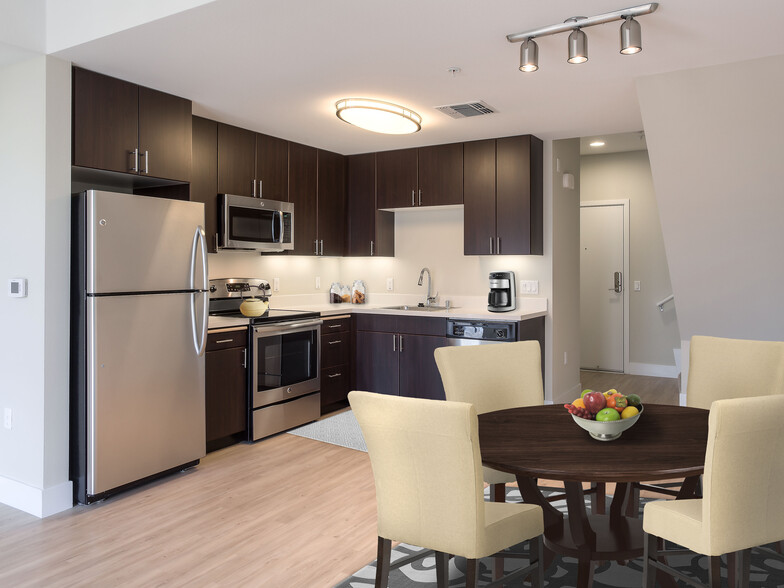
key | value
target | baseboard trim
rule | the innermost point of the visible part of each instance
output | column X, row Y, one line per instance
column 36, row 501
column 650, row 369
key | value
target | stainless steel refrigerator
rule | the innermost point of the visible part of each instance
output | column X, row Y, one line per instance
column 139, row 308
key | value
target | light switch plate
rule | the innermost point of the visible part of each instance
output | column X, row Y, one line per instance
column 275, row 284
column 636, row 285
column 390, row 284
column 529, row 286
column 318, row 282
column 17, row 287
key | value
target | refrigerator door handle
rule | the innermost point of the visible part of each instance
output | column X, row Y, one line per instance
column 199, row 244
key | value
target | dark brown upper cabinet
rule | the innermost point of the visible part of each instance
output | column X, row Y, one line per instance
column 303, row 188
column 236, row 161
column 371, row 232
column 503, row 196
column 427, row 176
column 204, row 179
column 331, row 203
column 122, row 127
column 272, row 167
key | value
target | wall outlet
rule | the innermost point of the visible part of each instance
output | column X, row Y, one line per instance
column 390, row 284
column 529, row 286
column 636, row 285
column 275, row 284
column 318, row 282
column 8, row 418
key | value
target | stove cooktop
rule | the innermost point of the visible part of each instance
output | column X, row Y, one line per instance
column 273, row 315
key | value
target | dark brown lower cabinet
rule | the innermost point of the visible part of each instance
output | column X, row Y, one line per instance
column 335, row 361
column 395, row 355
column 226, row 390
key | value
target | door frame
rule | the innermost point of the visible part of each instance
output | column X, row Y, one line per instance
column 625, row 203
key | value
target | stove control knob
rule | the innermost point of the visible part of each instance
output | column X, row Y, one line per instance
column 500, row 333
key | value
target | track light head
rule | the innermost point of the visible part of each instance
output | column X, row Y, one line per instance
column 631, row 36
column 578, row 47
column 529, row 56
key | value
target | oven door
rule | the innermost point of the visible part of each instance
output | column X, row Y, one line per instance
column 286, row 361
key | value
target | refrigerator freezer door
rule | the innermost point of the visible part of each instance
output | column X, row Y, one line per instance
column 141, row 243
column 145, row 388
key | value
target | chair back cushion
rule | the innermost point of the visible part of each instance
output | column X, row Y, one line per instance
column 743, row 482
column 492, row 377
column 733, row 368
column 427, row 469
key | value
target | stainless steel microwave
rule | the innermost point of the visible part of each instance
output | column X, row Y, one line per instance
column 255, row 223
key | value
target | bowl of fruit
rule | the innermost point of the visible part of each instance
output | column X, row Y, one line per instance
column 605, row 415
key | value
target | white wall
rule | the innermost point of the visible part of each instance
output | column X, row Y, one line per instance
column 653, row 334
column 35, row 203
column 715, row 142
column 565, row 353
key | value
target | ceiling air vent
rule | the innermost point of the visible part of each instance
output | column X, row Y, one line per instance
column 477, row 108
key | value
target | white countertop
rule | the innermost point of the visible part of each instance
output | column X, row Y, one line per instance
column 470, row 308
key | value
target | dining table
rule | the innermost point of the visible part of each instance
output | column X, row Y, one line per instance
column 543, row 442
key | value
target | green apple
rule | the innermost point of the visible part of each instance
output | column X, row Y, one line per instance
column 586, row 391
column 608, row 414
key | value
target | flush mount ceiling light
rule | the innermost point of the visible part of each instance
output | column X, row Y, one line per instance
column 598, row 143
column 631, row 36
column 378, row 116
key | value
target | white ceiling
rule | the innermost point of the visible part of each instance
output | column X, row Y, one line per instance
column 279, row 66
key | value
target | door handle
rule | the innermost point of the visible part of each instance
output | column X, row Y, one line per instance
column 617, row 283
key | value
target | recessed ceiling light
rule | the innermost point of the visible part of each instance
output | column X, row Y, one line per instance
column 596, row 143
column 378, row 116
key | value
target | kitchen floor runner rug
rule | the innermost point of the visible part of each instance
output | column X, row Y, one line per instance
column 766, row 571
column 340, row 429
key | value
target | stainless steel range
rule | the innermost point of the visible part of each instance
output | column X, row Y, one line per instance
column 285, row 350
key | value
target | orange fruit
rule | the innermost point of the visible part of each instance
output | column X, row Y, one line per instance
column 579, row 403
column 611, row 401
column 629, row 412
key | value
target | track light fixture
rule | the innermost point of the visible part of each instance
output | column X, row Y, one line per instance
column 631, row 36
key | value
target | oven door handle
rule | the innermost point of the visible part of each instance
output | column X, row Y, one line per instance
column 284, row 328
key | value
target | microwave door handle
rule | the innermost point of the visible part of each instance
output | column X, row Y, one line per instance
column 280, row 225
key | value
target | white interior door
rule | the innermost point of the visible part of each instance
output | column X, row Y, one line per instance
column 602, row 286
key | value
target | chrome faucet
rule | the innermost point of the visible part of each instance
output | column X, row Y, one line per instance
column 429, row 299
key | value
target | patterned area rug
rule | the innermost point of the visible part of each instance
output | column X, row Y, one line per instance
column 341, row 429
column 766, row 572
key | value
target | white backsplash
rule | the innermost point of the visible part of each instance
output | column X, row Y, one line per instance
column 424, row 237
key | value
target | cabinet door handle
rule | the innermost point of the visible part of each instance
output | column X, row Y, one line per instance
column 337, row 375
column 333, row 326
column 322, row 248
column 135, row 164
column 498, row 245
column 491, row 245
column 336, row 342
column 224, row 341
column 245, row 358
column 146, row 162
column 371, row 249
column 412, row 198
column 394, row 340
column 216, row 242
column 260, row 190
column 420, row 197
column 253, row 183
column 400, row 347
column 315, row 246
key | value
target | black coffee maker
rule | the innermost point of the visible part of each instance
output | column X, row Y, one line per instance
column 502, row 292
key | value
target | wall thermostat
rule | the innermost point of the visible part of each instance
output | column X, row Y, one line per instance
column 17, row 287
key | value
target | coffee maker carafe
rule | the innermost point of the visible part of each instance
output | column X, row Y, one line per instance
column 502, row 292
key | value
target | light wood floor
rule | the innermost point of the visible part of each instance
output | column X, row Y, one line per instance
column 285, row 512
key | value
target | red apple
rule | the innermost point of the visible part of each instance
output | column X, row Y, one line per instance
column 594, row 402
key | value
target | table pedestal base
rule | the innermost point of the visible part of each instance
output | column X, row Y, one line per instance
column 615, row 538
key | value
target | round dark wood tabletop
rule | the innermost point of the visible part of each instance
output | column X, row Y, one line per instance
column 544, row 442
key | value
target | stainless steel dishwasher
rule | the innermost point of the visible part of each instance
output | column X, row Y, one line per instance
column 476, row 332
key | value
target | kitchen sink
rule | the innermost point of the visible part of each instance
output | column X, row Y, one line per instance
column 421, row 308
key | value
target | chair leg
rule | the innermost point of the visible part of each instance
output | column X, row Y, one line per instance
column 383, row 558
column 442, row 569
column 472, row 573
column 649, row 554
column 536, row 549
column 731, row 565
column 714, row 571
column 742, row 568
column 498, row 492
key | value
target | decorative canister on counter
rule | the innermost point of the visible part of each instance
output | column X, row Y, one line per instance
column 345, row 294
column 358, row 292
column 334, row 293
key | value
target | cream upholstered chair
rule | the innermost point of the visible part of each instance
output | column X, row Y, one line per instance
column 429, row 491
column 733, row 368
column 493, row 377
column 743, row 485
